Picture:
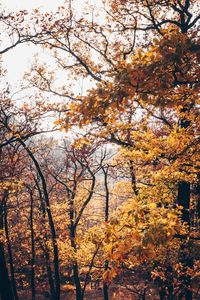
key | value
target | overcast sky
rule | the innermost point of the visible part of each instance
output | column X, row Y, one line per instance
column 17, row 60
column 27, row 4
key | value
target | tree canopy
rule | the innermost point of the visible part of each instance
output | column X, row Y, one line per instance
column 116, row 202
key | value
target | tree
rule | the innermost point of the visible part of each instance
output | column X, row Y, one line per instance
column 143, row 62
column 159, row 80
column 78, row 178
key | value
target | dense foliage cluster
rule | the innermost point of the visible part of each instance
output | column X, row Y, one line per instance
column 115, row 203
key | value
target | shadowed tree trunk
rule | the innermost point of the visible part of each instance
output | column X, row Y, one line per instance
column 79, row 295
column 5, row 285
column 183, row 199
column 45, row 248
column 105, row 171
column 32, row 249
column 50, row 219
column 12, row 271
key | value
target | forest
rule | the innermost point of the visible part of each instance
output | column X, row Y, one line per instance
column 99, row 152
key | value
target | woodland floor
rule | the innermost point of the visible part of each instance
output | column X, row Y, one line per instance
column 116, row 292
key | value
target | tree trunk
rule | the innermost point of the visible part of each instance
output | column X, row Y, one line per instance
column 197, row 223
column 79, row 295
column 186, row 260
column 105, row 171
column 32, row 250
column 5, row 286
column 105, row 287
column 184, row 200
column 50, row 277
column 50, row 219
column 45, row 248
column 12, row 271
column 133, row 178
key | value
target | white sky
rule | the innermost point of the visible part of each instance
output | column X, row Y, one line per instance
column 27, row 4
column 17, row 59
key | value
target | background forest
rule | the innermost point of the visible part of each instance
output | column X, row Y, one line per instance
column 99, row 156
